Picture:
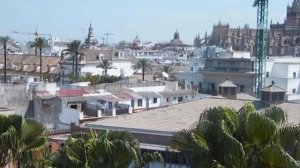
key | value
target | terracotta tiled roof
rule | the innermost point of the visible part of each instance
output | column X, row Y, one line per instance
column 54, row 70
column 29, row 68
column 177, row 93
column 95, row 54
column 272, row 88
column 28, row 63
column 71, row 92
column 227, row 83
column 124, row 96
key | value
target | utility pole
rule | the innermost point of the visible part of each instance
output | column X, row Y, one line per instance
column 261, row 43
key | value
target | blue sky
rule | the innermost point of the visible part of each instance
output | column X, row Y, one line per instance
column 152, row 20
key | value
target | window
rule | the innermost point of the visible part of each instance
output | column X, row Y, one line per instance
column 294, row 75
column 200, row 85
column 140, row 102
column 267, row 74
column 294, row 91
column 155, row 100
column 73, row 106
column 192, row 68
column 213, row 86
column 242, row 88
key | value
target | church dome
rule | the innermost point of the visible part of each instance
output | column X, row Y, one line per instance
column 176, row 40
column 136, row 40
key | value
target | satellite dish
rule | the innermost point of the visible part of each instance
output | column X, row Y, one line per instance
column 165, row 75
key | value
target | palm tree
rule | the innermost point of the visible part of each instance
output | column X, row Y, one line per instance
column 4, row 40
column 168, row 69
column 21, row 140
column 104, row 149
column 144, row 65
column 105, row 65
column 224, row 137
column 39, row 43
column 75, row 48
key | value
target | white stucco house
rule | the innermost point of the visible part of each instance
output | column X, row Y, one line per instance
column 285, row 72
column 194, row 77
column 89, row 63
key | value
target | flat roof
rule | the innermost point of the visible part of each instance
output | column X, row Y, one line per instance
column 6, row 109
column 167, row 120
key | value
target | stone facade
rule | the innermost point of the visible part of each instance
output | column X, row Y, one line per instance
column 283, row 39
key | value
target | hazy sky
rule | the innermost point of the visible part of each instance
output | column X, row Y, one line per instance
column 152, row 20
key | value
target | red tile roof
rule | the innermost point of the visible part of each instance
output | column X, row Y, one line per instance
column 71, row 92
column 42, row 92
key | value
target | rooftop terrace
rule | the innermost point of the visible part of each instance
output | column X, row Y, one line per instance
column 167, row 120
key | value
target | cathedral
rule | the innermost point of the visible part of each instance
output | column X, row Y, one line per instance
column 283, row 38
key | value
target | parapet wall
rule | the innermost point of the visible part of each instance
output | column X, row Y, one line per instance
column 15, row 97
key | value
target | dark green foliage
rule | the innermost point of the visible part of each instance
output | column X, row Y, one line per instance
column 96, row 79
column 144, row 65
column 39, row 43
column 224, row 137
column 20, row 140
column 103, row 149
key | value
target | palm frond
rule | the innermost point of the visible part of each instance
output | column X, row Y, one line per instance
column 275, row 156
column 75, row 151
column 146, row 158
column 289, row 138
column 276, row 113
column 233, row 152
column 4, row 40
column 260, row 129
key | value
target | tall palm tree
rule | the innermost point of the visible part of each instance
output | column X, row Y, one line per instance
column 75, row 48
column 144, row 65
column 105, row 65
column 21, row 140
column 4, row 40
column 116, row 150
column 224, row 137
column 40, row 43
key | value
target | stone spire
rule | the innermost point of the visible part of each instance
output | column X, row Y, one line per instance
column 91, row 40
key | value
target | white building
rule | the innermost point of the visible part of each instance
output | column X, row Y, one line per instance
column 89, row 63
column 193, row 78
column 285, row 72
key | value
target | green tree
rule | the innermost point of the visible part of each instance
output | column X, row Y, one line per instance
column 168, row 69
column 105, row 64
column 4, row 40
column 39, row 43
column 224, row 137
column 75, row 48
column 144, row 65
column 21, row 140
column 104, row 149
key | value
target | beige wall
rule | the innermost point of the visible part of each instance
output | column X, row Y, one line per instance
column 245, row 79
